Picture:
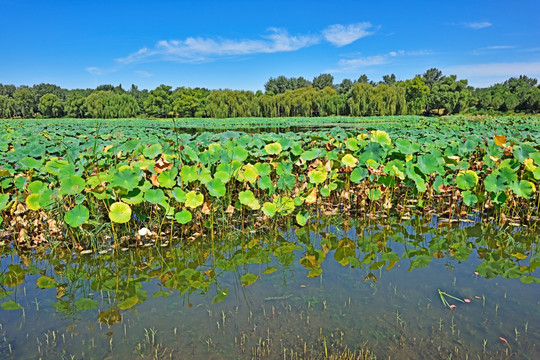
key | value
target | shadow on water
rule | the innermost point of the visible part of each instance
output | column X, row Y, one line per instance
column 299, row 293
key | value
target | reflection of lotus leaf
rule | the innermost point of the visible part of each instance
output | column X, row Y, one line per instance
column 46, row 282
column 110, row 317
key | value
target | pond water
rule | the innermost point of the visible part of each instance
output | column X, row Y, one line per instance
column 298, row 293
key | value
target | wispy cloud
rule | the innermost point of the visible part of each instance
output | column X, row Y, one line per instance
column 204, row 49
column 143, row 74
column 477, row 25
column 487, row 49
column 94, row 70
column 498, row 47
column 496, row 69
column 354, row 64
column 341, row 35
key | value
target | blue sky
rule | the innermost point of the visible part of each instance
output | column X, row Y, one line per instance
column 240, row 44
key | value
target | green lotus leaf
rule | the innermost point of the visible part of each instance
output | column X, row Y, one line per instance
column 381, row 137
column 72, row 185
column 37, row 187
column 302, row 218
column 127, row 179
column 216, row 188
column 239, row 153
column 286, row 182
column 183, row 217
column 222, row 176
column 317, row 176
column 54, row 165
column 467, row 180
column 248, row 174
column 194, row 199
column 500, row 179
column 77, row 216
column 30, row 163
column 308, row 155
column 325, row 191
column 351, row 144
column 284, row 167
column 134, row 197
column 167, row 178
column 189, row 174
column 469, row 198
column 32, row 201
column 374, row 194
column 523, row 188
column 120, row 212
column 247, row 198
column 46, row 282
column 273, row 148
column 4, row 199
column 154, row 196
column 264, row 182
column 179, row 195
column 205, row 175
column 284, row 204
column 405, row 147
column 263, row 169
column 349, row 160
column 153, row 151
column 358, row 174
column 429, row 164
column 269, row 209
column 20, row 182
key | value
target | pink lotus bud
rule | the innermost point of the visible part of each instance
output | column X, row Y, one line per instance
column 453, row 306
column 467, row 300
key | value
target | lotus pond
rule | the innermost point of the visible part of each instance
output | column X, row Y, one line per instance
column 375, row 290
column 384, row 238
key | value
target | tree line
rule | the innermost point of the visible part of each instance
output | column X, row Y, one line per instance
column 429, row 93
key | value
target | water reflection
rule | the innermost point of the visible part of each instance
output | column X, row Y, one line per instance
column 347, row 284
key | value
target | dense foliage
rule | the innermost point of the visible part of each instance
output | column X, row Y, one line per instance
column 430, row 93
column 86, row 186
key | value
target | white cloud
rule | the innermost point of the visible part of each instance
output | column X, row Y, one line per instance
column 477, row 25
column 352, row 65
column 341, row 35
column 94, row 70
column 496, row 69
column 204, row 49
column 498, row 47
column 143, row 74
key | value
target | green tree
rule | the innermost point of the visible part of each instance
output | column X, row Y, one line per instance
column 24, row 102
column 416, row 95
column 51, row 106
column 322, row 81
column 159, row 102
